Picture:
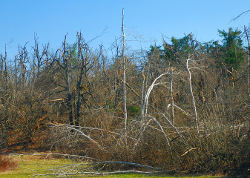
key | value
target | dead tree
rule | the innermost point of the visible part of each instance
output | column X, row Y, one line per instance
column 171, row 95
column 83, row 72
column 75, row 69
column 38, row 57
column 22, row 60
column 4, row 102
column 124, row 74
column 65, row 65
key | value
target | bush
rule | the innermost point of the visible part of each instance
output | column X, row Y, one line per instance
column 6, row 163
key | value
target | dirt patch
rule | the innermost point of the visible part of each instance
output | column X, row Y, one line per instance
column 7, row 163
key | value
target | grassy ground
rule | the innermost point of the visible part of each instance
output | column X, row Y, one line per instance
column 38, row 165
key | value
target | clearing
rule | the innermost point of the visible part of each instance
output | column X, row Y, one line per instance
column 44, row 165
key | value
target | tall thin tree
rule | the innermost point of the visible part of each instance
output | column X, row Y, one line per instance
column 124, row 73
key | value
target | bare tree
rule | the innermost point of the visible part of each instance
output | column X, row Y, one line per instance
column 83, row 69
column 66, row 67
column 248, row 46
column 124, row 74
column 4, row 102
column 22, row 60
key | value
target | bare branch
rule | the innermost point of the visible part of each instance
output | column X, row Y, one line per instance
column 161, row 128
column 192, row 94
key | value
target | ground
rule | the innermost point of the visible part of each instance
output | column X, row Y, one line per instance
column 44, row 165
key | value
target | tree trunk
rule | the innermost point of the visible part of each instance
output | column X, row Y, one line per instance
column 171, row 95
column 124, row 74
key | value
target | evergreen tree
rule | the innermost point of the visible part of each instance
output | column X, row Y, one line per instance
column 232, row 48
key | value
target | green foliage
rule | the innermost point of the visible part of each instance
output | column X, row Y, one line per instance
column 183, row 45
column 155, row 51
column 230, row 52
column 232, row 47
column 177, row 49
column 73, row 54
column 134, row 111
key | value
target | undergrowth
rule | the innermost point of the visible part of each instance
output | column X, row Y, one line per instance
column 7, row 163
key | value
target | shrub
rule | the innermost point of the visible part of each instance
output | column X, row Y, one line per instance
column 6, row 163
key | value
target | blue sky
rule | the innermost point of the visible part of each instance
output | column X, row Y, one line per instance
column 146, row 21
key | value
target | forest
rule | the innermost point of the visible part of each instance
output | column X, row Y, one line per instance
column 177, row 108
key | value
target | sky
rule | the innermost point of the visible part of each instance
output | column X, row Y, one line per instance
column 146, row 21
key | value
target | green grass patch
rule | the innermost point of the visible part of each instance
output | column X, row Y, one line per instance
column 29, row 165
column 45, row 166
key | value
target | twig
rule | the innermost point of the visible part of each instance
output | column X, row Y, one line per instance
column 191, row 149
column 178, row 107
column 238, row 16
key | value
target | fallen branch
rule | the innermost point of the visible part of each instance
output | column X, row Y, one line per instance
column 161, row 128
column 99, row 129
column 68, row 155
column 81, row 133
column 172, row 125
column 98, row 173
column 127, row 163
column 143, row 128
